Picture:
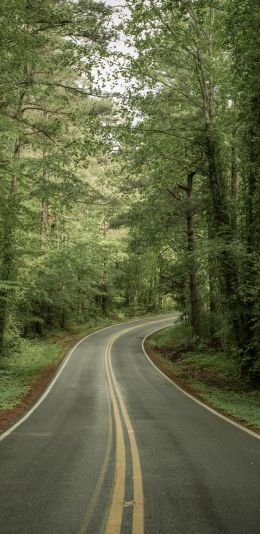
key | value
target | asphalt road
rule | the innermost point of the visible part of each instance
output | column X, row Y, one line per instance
column 115, row 447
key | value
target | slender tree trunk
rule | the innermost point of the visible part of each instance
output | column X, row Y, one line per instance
column 8, row 267
column 212, row 292
column 8, row 274
column 44, row 224
column 233, row 187
column 195, row 307
column 233, row 171
column 45, row 204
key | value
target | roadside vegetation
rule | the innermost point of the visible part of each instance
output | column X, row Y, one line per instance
column 130, row 177
column 210, row 375
column 35, row 356
column 25, row 376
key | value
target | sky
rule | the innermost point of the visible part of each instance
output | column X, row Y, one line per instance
column 115, row 2
column 109, row 69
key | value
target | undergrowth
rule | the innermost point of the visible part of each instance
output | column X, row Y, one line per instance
column 19, row 370
column 214, row 375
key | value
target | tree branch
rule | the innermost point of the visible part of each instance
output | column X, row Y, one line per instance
column 167, row 132
column 169, row 28
column 182, row 187
column 56, row 84
column 39, row 108
column 173, row 194
column 33, row 126
column 179, row 91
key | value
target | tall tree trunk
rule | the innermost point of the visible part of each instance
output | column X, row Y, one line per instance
column 212, row 279
column 222, row 232
column 44, row 223
column 233, row 187
column 195, row 307
column 250, row 336
column 8, row 267
column 45, row 204
column 218, row 212
column 233, row 171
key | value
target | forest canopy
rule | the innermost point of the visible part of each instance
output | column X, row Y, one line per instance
column 136, row 200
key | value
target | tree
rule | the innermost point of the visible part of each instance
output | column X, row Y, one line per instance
column 243, row 39
column 182, row 109
column 48, row 48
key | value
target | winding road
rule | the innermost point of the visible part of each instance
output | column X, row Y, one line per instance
column 113, row 447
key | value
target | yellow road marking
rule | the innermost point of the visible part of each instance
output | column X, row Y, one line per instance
column 114, row 521
column 113, row 525
column 116, row 509
column 138, row 509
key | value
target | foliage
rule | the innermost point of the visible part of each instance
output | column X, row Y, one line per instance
column 137, row 202
column 190, row 147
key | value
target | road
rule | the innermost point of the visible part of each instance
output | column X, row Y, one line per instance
column 115, row 447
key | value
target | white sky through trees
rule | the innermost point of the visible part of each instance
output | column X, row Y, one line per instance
column 109, row 74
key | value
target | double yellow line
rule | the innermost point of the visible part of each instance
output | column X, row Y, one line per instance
column 115, row 513
column 114, row 521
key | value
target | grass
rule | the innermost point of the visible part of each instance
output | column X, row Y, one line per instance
column 244, row 407
column 18, row 371
column 213, row 375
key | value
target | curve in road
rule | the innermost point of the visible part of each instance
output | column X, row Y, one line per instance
column 113, row 447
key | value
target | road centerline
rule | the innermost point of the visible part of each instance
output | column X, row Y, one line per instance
column 116, row 509
column 138, row 500
column 114, row 520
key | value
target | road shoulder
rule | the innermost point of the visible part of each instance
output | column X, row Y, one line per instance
column 166, row 367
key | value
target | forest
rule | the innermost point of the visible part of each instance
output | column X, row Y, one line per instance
column 136, row 195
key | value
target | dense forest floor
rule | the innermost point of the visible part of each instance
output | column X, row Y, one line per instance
column 207, row 374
